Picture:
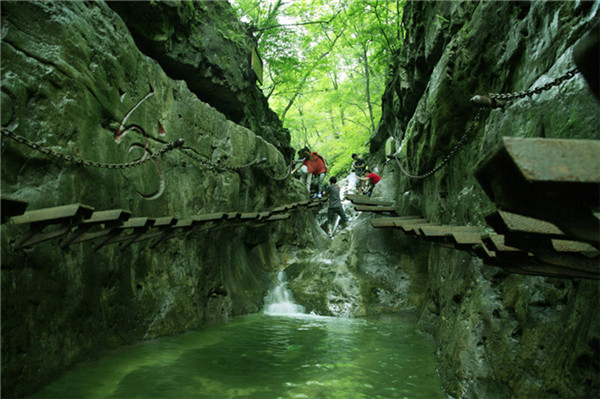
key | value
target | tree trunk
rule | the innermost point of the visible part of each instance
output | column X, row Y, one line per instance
column 368, row 87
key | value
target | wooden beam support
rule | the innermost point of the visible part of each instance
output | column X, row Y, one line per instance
column 138, row 225
column 105, row 220
column 66, row 217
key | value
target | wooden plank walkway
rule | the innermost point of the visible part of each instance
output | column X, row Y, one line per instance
column 545, row 256
column 77, row 223
column 366, row 200
column 552, row 180
column 375, row 209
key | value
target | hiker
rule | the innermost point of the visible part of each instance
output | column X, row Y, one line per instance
column 305, row 177
column 358, row 166
column 316, row 166
column 335, row 205
column 371, row 177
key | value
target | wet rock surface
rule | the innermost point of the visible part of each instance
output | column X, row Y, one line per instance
column 498, row 335
column 71, row 76
column 72, row 72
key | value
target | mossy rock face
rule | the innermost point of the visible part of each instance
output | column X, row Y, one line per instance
column 498, row 335
column 71, row 74
column 205, row 45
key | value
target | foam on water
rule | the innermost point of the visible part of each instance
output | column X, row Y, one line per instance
column 279, row 301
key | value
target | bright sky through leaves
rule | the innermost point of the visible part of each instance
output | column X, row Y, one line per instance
column 325, row 63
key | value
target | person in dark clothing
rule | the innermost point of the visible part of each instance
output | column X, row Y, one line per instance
column 359, row 165
column 335, row 204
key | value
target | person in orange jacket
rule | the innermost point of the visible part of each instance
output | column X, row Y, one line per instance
column 316, row 166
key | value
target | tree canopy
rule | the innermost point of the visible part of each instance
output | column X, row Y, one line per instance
column 325, row 63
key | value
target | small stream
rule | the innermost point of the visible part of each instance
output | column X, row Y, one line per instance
column 281, row 353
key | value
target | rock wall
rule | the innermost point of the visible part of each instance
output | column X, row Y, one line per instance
column 361, row 272
column 498, row 335
column 199, row 42
column 73, row 80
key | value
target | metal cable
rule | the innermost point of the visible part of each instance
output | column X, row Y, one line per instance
column 492, row 100
column 461, row 142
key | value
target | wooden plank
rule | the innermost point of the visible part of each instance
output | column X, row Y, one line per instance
column 249, row 216
column 507, row 222
column 282, row 208
column 445, row 230
column 495, row 242
column 408, row 222
column 544, row 249
column 110, row 215
column 369, row 201
column 54, row 215
column 466, row 241
column 533, row 268
column 379, row 223
column 574, row 246
column 66, row 217
column 413, row 228
column 545, row 264
column 137, row 222
column 164, row 221
column 357, row 197
column 232, row 216
column 264, row 215
column 390, row 221
column 371, row 208
column 210, row 217
column 555, row 180
column 270, row 219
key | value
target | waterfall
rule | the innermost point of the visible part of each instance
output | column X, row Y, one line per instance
column 279, row 300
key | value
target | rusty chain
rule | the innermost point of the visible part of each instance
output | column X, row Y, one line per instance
column 461, row 142
column 177, row 144
column 195, row 155
column 492, row 100
column 82, row 162
column 283, row 177
column 498, row 100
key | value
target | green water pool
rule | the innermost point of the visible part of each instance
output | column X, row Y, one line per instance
column 264, row 356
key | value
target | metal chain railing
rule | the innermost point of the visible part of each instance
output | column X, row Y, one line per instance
column 284, row 176
column 94, row 164
column 461, row 142
column 497, row 100
column 177, row 144
column 195, row 155
column 492, row 100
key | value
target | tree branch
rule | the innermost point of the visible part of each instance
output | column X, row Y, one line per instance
column 307, row 74
column 297, row 24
